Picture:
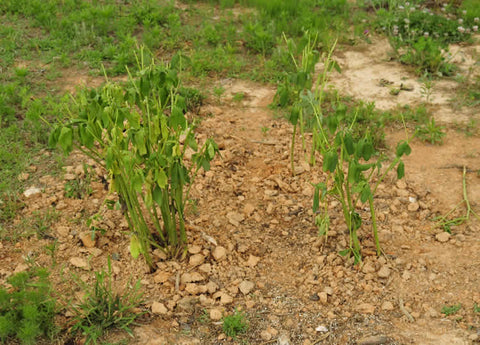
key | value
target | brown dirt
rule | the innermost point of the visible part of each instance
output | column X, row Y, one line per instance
column 251, row 207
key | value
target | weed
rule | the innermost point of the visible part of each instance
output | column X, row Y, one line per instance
column 79, row 188
column 27, row 309
column 451, row 310
column 445, row 222
column 235, row 324
column 431, row 132
column 102, row 308
column 476, row 308
column 238, row 97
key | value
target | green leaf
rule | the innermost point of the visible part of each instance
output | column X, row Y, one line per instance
column 53, row 138
column 65, row 139
column 191, row 142
column 135, row 247
column 344, row 252
column 177, row 118
column 161, row 178
column 403, row 149
column 137, row 182
column 366, row 193
column 348, row 142
column 336, row 66
column 86, row 138
column 330, row 161
column 294, row 115
column 400, row 170
column 368, row 150
column 139, row 140
column 355, row 221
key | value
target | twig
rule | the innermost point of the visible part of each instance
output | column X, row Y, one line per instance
column 405, row 311
column 264, row 142
column 323, row 337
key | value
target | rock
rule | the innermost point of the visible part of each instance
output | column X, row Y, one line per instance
column 63, row 231
column 226, row 298
column 368, row 267
column 69, row 177
column 323, row 297
column 187, row 304
column 196, row 259
column 252, row 260
column 374, row 340
column 283, row 339
column 21, row 268
column 321, row 329
column 235, row 218
column 161, row 277
column 387, row 306
column 248, row 209
column 246, row 287
column 159, row 308
column 205, row 268
column 219, row 253
column 194, row 289
column 215, row 314
column 86, row 238
column 194, row 249
column 365, row 308
column 265, row 335
column 414, row 206
column 442, row 237
column 211, row 287
column 384, row 272
column 79, row 262
column 191, row 277
column 23, row 176
column 32, row 191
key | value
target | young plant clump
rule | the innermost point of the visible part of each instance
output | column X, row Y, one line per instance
column 139, row 133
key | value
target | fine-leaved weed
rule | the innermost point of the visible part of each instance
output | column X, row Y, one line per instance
column 27, row 308
column 235, row 324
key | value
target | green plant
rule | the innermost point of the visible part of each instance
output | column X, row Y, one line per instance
column 103, row 308
column 349, row 160
column 445, row 222
column 238, row 97
column 27, row 309
column 452, row 309
column 476, row 308
column 235, row 324
column 427, row 89
column 431, row 132
column 139, row 133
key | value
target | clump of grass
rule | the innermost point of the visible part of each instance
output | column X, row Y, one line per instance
column 27, row 309
column 235, row 324
column 451, row 309
column 103, row 308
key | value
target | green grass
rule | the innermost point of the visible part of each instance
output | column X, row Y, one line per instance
column 235, row 324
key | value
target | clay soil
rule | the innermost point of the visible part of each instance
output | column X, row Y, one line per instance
column 253, row 245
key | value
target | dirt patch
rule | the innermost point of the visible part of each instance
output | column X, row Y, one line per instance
column 369, row 74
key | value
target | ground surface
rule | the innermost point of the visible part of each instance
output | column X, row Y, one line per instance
column 253, row 244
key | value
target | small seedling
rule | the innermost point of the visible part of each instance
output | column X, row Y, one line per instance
column 265, row 130
column 451, row 310
column 431, row 132
column 218, row 91
column 103, row 308
column 238, row 97
column 476, row 308
column 235, row 324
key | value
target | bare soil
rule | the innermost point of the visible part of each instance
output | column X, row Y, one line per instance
column 254, row 246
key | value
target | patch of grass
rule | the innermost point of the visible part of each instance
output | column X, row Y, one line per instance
column 235, row 324
column 27, row 309
column 79, row 188
column 431, row 132
column 103, row 308
column 451, row 310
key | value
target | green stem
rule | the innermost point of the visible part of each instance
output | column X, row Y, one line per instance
column 292, row 150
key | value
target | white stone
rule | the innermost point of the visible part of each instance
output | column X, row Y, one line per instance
column 246, row 287
column 159, row 308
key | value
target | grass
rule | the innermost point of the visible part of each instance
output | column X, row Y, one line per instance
column 41, row 41
column 235, row 324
